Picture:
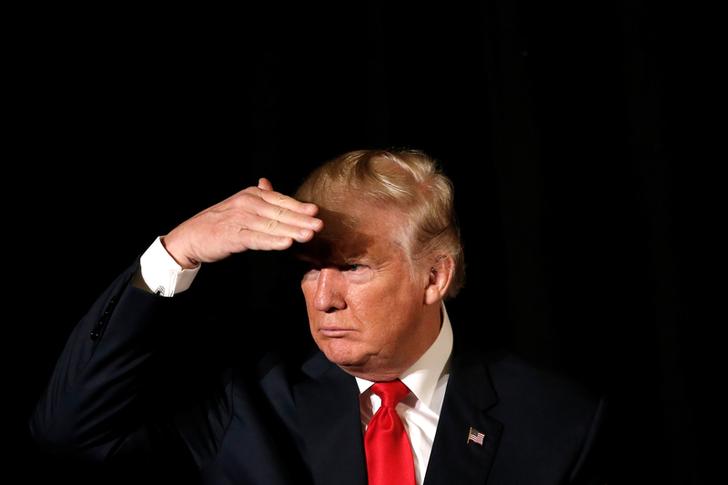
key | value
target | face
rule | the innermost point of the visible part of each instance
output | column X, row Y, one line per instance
column 366, row 305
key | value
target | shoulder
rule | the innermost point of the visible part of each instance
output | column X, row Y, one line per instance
column 534, row 398
column 516, row 379
column 278, row 366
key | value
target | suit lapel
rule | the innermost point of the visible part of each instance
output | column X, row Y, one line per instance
column 329, row 416
column 454, row 458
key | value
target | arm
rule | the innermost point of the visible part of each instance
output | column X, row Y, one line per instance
column 94, row 386
column 590, row 467
column 94, row 406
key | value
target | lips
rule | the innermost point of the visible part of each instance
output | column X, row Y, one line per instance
column 335, row 332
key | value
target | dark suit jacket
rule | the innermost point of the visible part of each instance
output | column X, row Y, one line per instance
column 283, row 421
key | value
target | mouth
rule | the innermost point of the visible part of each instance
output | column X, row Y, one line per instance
column 335, row 332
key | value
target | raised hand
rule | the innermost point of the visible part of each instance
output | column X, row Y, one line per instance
column 256, row 218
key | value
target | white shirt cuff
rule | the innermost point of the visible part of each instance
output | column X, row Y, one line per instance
column 162, row 274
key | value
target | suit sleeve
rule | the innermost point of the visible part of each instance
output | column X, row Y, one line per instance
column 590, row 466
column 98, row 403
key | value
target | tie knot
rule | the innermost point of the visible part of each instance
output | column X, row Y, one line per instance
column 391, row 392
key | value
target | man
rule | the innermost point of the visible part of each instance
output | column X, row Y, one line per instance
column 391, row 395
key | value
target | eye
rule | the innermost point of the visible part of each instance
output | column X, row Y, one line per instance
column 353, row 267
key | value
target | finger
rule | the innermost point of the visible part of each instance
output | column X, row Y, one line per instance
column 287, row 216
column 289, row 203
column 265, row 242
column 264, row 184
column 275, row 227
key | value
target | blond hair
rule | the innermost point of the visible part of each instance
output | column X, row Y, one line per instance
column 408, row 179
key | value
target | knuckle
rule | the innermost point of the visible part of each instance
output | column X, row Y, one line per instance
column 241, row 200
column 271, row 224
column 248, row 192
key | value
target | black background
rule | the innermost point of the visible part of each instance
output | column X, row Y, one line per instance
column 571, row 132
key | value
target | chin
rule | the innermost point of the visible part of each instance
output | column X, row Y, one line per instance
column 342, row 354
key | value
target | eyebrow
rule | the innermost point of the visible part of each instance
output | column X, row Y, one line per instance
column 334, row 261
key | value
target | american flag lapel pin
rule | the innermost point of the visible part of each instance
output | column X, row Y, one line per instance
column 475, row 436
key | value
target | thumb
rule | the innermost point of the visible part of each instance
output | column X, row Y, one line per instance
column 264, row 184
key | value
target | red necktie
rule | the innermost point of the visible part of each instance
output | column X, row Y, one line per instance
column 389, row 456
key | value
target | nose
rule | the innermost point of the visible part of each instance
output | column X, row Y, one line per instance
column 330, row 291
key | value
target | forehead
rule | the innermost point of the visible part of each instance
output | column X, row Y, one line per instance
column 357, row 231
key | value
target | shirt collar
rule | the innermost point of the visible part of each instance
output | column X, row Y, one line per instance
column 421, row 378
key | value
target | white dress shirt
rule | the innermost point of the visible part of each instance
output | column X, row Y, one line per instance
column 420, row 411
column 162, row 274
column 427, row 378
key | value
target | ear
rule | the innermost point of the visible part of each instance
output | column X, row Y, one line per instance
column 439, row 278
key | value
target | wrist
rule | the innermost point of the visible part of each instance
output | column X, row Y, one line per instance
column 184, row 261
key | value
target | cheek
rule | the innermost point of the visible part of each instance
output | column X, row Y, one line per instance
column 306, row 292
column 382, row 313
column 397, row 296
column 308, row 289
